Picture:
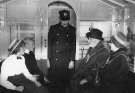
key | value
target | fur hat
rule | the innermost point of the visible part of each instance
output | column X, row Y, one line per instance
column 95, row 33
column 64, row 15
column 15, row 44
column 120, row 40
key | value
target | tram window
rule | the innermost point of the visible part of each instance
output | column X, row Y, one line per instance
column 26, row 27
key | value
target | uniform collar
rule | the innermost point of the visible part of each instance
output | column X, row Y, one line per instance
column 63, row 27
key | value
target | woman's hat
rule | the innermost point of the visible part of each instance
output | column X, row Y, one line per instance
column 64, row 15
column 15, row 44
column 95, row 33
column 120, row 40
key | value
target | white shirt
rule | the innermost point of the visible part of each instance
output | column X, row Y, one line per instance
column 13, row 66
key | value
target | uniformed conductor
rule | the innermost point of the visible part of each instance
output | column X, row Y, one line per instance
column 61, row 52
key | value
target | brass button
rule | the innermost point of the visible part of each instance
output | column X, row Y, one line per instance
column 57, row 51
column 57, row 42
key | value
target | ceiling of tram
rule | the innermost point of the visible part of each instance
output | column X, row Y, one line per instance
column 4, row 1
column 89, row 9
column 95, row 10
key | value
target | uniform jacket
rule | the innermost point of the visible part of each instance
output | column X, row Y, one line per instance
column 61, row 47
column 95, row 58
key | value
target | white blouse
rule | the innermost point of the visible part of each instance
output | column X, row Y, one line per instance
column 13, row 66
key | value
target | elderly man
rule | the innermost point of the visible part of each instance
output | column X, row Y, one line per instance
column 30, row 60
column 86, row 74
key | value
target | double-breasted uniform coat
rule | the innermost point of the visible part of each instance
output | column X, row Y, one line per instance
column 61, row 50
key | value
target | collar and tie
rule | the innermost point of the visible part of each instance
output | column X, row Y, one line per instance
column 18, row 57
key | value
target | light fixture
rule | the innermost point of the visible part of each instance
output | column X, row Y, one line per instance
column 126, row 13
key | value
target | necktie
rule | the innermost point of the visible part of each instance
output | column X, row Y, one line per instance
column 18, row 57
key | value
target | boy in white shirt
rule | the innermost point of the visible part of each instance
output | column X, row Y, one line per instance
column 15, row 65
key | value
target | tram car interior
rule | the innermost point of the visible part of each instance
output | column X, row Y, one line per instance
column 21, row 19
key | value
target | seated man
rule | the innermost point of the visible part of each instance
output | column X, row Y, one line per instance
column 30, row 60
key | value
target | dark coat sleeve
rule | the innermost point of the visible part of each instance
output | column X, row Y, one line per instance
column 73, row 44
column 116, row 70
column 31, row 63
column 50, row 37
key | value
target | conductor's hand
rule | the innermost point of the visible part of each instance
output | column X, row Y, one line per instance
column 83, row 81
column 71, row 65
column 48, row 63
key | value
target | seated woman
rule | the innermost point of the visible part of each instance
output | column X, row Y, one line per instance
column 14, row 73
column 86, row 74
column 115, row 73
